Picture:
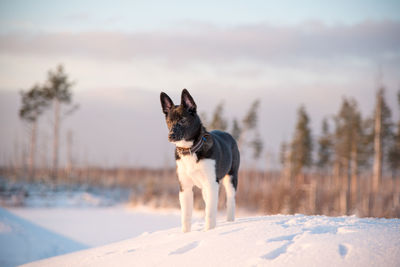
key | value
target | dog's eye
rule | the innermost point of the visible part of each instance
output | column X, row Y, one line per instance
column 182, row 120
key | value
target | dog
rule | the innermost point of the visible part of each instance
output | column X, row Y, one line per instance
column 203, row 159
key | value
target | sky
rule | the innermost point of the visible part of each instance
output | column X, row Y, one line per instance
column 123, row 53
column 137, row 16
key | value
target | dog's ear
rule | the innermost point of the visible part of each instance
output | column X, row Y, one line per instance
column 166, row 103
column 187, row 101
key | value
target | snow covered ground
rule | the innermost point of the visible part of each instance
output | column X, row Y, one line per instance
column 22, row 241
column 36, row 195
column 99, row 225
column 280, row 240
column 29, row 234
column 100, row 231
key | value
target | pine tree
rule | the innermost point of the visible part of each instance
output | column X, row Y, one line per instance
column 33, row 105
column 301, row 146
column 58, row 90
column 251, row 118
column 366, row 144
column 284, row 158
column 348, row 147
column 382, row 136
column 236, row 130
column 357, row 136
column 249, row 124
column 257, row 145
column 283, row 153
column 218, row 121
column 347, row 132
column 247, row 133
column 324, row 146
column 394, row 152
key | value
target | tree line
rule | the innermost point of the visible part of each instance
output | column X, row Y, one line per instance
column 50, row 95
column 354, row 144
column 349, row 145
column 245, row 130
column 336, row 172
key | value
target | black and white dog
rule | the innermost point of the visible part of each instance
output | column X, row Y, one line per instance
column 203, row 159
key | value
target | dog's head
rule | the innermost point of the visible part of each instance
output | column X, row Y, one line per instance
column 182, row 121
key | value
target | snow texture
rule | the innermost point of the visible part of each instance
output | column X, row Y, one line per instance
column 43, row 195
column 101, row 225
column 279, row 240
column 22, row 241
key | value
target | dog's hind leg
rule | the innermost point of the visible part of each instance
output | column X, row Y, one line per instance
column 230, row 197
column 230, row 182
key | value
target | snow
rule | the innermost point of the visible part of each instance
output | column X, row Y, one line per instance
column 44, row 195
column 100, row 231
column 22, row 241
column 279, row 240
column 101, row 225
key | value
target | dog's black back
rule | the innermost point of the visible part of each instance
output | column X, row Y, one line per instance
column 226, row 155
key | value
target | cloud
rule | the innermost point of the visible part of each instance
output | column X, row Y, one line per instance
column 311, row 63
column 80, row 17
column 262, row 43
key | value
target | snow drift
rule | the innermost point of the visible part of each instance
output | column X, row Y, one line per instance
column 278, row 240
column 22, row 241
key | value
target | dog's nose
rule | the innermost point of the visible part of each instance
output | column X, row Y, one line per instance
column 172, row 136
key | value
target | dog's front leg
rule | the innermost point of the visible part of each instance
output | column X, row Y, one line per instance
column 211, row 199
column 186, row 201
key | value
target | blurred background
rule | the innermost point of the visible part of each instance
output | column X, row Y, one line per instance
column 309, row 89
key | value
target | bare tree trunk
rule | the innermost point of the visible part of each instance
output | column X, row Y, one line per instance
column 336, row 173
column 313, row 197
column 354, row 175
column 377, row 170
column 69, row 153
column 287, row 170
column 32, row 152
column 346, row 184
column 44, row 155
column 56, row 137
column 16, row 162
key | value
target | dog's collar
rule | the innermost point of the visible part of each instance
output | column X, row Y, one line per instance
column 196, row 147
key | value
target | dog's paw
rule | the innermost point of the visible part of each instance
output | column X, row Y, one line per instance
column 185, row 229
column 209, row 226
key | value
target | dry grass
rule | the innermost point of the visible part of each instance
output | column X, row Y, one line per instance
column 261, row 192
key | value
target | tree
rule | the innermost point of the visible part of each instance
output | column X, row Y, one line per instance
column 394, row 152
column 284, row 158
column 246, row 132
column 236, row 130
column 58, row 90
column 347, row 125
column 218, row 121
column 33, row 105
column 249, row 126
column 366, row 144
column 382, row 136
column 350, row 142
column 301, row 145
column 257, row 145
column 283, row 153
column 325, row 146
column 251, row 118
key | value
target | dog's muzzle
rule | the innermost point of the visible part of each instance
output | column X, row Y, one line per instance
column 176, row 133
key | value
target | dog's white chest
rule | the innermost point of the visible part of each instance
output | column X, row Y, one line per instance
column 198, row 173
